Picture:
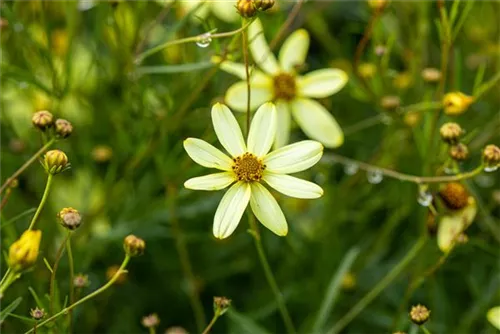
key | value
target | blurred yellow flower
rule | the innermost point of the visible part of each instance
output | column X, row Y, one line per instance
column 248, row 165
column 24, row 252
column 293, row 94
column 456, row 103
column 493, row 316
column 452, row 225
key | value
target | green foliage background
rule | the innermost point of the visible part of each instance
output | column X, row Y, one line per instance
column 80, row 66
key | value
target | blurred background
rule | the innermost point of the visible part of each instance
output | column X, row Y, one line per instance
column 77, row 60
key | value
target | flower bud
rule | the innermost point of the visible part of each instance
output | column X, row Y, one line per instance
column 491, row 156
column 150, row 321
column 380, row 50
column 419, row 314
column 37, row 313
column 24, row 252
column 377, row 4
column 176, row 330
column 431, row 74
column 63, row 128
column 55, row 161
column 456, row 103
column 81, row 281
column 459, row 152
column 70, row 218
column 133, row 245
column 367, row 70
column 263, row 5
column 454, row 195
column 451, row 132
column 246, row 8
column 42, row 120
column 221, row 305
column 348, row 281
column 390, row 102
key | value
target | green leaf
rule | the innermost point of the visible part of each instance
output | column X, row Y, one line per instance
column 36, row 298
column 10, row 308
column 245, row 324
column 174, row 68
column 19, row 216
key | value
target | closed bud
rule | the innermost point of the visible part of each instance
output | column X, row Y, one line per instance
column 24, row 252
column 133, row 245
column 70, row 218
column 367, row 70
column 63, row 128
column 150, row 321
column 42, row 120
column 221, row 305
column 263, row 5
column 419, row 314
column 55, row 162
column 390, row 102
column 491, row 157
column 377, row 4
column 431, row 74
column 454, row 195
column 37, row 313
column 246, row 8
column 451, row 132
column 459, row 152
column 456, row 103
column 81, row 281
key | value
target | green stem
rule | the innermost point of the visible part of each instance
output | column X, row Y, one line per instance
column 425, row 330
column 212, row 322
column 71, row 281
column 53, row 274
column 42, row 201
column 9, row 278
column 89, row 296
column 26, row 164
column 270, row 276
column 377, row 289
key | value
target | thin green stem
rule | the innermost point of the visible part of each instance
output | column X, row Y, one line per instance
column 9, row 278
column 5, row 276
column 487, row 86
column 244, row 39
column 406, row 177
column 71, row 280
column 59, row 254
column 42, row 201
column 27, row 164
column 270, row 276
column 193, row 39
column 425, row 330
column 377, row 289
column 152, row 330
column 89, row 296
column 212, row 322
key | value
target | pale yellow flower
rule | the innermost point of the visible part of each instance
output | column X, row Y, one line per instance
column 247, row 165
column 455, row 223
column 225, row 10
column 293, row 94
column 493, row 316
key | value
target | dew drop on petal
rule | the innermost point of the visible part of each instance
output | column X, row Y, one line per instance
column 204, row 40
column 374, row 176
column 351, row 169
column 424, row 198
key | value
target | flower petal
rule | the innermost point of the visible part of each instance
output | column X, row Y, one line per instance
column 239, row 70
column 262, row 130
column 293, row 186
column 283, row 118
column 207, row 155
column 294, row 158
column 317, row 123
column 230, row 209
column 322, row 83
column 260, row 50
column 225, row 10
column 236, row 95
column 227, row 129
column 294, row 50
column 267, row 210
column 493, row 316
column 215, row 181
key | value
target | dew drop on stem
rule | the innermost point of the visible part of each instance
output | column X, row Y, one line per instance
column 374, row 176
column 424, row 197
column 351, row 169
column 204, row 40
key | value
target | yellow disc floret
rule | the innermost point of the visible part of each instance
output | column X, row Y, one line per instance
column 248, row 167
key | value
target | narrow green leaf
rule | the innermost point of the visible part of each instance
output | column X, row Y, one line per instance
column 19, row 216
column 23, row 318
column 37, row 300
column 245, row 324
column 47, row 264
column 174, row 68
column 10, row 308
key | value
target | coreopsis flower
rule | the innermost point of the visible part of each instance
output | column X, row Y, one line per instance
column 293, row 94
column 456, row 103
column 247, row 165
column 493, row 316
column 222, row 9
column 452, row 225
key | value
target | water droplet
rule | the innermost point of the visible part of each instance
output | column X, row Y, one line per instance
column 424, row 197
column 351, row 169
column 204, row 40
column 489, row 169
column 18, row 27
column 450, row 170
column 375, row 176
column 84, row 5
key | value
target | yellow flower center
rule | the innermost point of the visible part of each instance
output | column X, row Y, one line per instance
column 284, row 87
column 248, row 167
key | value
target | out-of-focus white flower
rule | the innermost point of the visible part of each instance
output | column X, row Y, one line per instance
column 247, row 165
column 293, row 94
column 222, row 9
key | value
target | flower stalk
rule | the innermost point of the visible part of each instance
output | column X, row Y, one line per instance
column 42, row 201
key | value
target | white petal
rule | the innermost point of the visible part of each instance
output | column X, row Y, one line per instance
column 225, row 10
column 230, row 209
column 210, row 182
column 260, row 50
column 317, row 123
column 236, row 95
column 321, row 83
column 283, row 124
column 206, row 155
column 294, row 158
column 267, row 210
column 227, row 129
column 294, row 50
column 493, row 316
column 262, row 130
column 239, row 70
column 292, row 186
